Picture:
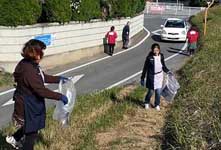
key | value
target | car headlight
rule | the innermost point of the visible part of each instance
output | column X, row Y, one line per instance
column 163, row 32
column 183, row 32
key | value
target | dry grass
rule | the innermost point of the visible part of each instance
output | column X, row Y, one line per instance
column 6, row 80
column 113, row 119
column 142, row 130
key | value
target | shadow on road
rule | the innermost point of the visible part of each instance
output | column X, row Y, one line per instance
column 156, row 38
column 176, row 50
column 106, row 48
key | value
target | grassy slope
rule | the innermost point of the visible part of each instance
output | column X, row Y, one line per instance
column 113, row 119
column 6, row 79
column 92, row 113
column 195, row 119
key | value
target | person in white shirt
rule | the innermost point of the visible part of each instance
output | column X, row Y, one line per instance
column 153, row 72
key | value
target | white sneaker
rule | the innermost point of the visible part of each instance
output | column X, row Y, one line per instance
column 157, row 108
column 11, row 140
column 147, row 106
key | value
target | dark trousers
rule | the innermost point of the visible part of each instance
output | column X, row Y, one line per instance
column 192, row 47
column 191, row 51
column 111, row 48
column 125, row 42
column 157, row 96
column 30, row 138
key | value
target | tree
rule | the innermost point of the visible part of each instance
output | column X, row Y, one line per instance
column 197, row 3
column 105, row 9
column 19, row 12
column 126, row 8
column 58, row 11
column 141, row 5
column 85, row 10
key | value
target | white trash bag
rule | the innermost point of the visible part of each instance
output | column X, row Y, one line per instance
column 61, row 112
column 170, row 88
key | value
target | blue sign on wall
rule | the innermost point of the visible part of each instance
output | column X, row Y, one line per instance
column 46, row 38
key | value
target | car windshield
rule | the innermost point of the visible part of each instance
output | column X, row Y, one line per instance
column 175, row 24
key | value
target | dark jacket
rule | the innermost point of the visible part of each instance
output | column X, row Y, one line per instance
column 29, row 108
column 149, row 70
column 126, row 32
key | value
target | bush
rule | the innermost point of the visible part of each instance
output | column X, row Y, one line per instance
column 85, row 10
column 140, row 6
column 25, row 12
column 201, row 3
column 126, row 8
column 19, row 12
column 58, row 11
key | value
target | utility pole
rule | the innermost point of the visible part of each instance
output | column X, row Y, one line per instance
column 210, row 3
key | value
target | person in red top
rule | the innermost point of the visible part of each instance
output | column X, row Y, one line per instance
column 192, row 37
column 111, row 39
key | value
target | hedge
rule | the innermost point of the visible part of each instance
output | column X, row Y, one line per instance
column 27, row 12
column 85, row 10
column 58, row 11
column 19, row 12
column 125, row 8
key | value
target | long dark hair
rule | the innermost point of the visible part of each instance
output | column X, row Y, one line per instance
column 155, row 45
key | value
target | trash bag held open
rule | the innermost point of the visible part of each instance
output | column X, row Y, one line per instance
column 170, row 88
column 62, row 112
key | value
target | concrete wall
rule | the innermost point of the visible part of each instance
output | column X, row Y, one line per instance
column 66, row 38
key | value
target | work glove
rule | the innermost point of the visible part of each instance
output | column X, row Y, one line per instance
column 64, row 99
column 64, row 79
column 142, row 82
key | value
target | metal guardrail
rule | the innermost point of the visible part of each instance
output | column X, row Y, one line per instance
column 173, row 9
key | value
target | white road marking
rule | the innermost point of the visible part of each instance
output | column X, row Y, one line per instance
column 10, row 102
column 98, row 60
column 74, row 79
column 138, row 73
column 156, row 32
column 124, row 80
column 6, row 92
column 92, row 62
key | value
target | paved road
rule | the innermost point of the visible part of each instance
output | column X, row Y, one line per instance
column 109, row 71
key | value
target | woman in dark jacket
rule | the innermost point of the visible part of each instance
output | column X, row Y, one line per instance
column 153, row 71
column 29, row 110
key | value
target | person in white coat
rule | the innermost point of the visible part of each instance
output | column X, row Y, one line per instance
column 153, row 72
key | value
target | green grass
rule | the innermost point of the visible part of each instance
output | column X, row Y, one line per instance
column 6, row 79
column 194, row 121
column 93, row 113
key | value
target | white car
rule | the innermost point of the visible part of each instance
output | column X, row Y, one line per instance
column 174, row 29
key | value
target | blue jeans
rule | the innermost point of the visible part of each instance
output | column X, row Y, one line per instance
column 157, row 96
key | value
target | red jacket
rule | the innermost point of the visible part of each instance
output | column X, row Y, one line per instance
column 111, row 37
column 192, row 36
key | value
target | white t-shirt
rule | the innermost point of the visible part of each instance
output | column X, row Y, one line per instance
column 158, row 78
